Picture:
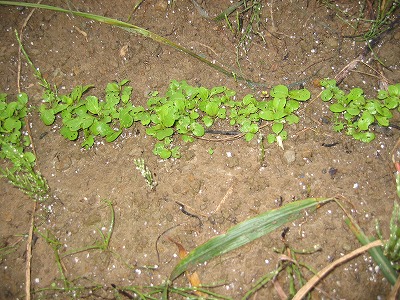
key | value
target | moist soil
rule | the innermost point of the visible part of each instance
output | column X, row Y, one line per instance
column 297, row 41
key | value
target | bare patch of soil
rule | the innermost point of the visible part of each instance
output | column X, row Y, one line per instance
column 301, row 42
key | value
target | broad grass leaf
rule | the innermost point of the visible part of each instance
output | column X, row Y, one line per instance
column 245, row 232
column 30, row 157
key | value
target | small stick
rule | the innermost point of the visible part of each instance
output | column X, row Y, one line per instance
column 228, row 193
column 30, row 236
column 317, row 277
column 29, row 255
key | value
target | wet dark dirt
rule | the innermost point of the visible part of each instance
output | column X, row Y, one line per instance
column 301, row 42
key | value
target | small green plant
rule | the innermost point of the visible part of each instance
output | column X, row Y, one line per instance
column 190, row 111
column 354, row 113
column 14, row 145
column 392, row 246
column 91, row 116
column 145, row 172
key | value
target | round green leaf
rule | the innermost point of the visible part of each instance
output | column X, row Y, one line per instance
column 68, row 134
column 353, row 111
column 212, row 109
column 383, row 121
column 249, row 136
column 197, row 129
column 292, row 119
column 113, row 136
column 391, row 102
column 365, row 120
column 208, row 121
column 101, row 128
column 267, row 115
column 92, row 104
column 162, row 134
column 221, row 113
column 279, row 91
column 365, row 137
column 277, row 128
column 248, row 99
column 382, row 94
column 271, row 138
column 47, row 115
column 125, row 119
column 279, row 103
column 326, row 95
column 337, row 108
column 88, row 142
column 300, row 95
column 73, row 124
column 22, row 98
column 394, row 90
column 12, row 123
column 354, row 94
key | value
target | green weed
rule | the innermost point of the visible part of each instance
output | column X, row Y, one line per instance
column 15, row 146
column 355, row 114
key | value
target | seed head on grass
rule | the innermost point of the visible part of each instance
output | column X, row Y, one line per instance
column 146, row 173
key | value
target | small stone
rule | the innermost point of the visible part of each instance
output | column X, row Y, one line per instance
column 290, row 156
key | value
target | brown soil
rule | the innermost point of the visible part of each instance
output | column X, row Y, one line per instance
column 301, row 41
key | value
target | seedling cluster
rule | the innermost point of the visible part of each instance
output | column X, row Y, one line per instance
column 355, row 114
column 89, row 115
column 14, row 145
column 184, row 110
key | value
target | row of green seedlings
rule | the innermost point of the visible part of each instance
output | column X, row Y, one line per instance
column 189, row 111
column 184, row 110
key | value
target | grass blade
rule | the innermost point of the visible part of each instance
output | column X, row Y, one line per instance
column 131, row 28
column 246, row 232
column 376, row 253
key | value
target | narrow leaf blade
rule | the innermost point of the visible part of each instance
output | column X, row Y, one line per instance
column 245, row 232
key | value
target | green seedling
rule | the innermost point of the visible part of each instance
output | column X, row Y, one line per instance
column 15, row 149
column 355, row 114
column 145, row 172
column 91, row 116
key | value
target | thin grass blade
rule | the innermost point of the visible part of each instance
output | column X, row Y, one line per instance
column 246, row 232
column 376, row 253
column 132, row 28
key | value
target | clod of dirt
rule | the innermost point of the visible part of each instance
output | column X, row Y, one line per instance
column 290, row 156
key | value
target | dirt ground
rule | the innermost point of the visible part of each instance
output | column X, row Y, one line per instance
column 303, row 40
